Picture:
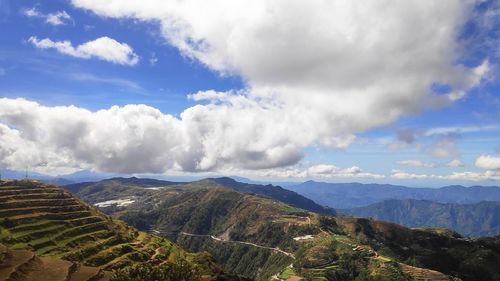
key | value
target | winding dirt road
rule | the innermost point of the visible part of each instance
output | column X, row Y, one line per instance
column 278, row 250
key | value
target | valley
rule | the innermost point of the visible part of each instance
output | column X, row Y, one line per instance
column 255, row 235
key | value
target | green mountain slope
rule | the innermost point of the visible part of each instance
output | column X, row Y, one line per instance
column 480, row 219
column 263, row 238
column 276, row 192
column 132, row 188
column 51, row 222
column 207, row 209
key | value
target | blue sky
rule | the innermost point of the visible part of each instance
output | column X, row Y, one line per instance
column 427, row 137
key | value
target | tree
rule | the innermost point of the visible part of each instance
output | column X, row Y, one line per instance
column 181, row 270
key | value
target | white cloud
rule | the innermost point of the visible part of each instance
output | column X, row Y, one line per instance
column 460, row 130
column 103, row 48
column 153, row 59
column 338, row 52
column 321, row 171
column 455, row 163
column 118, row 82
column 32, row 12
column 416, row 163
column 57, row 18
column 402, row 175
column 456, row 176
column 316, row 74
column 488, row 162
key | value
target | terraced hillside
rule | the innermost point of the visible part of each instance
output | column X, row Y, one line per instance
column 51, row 222
column 25, row 265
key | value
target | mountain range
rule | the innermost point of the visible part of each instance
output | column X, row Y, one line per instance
column 259, row 236
column 478, row 219
column 352, row 195
column 223, row 229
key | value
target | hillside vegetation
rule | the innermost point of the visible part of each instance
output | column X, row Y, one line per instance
column 480, row 219
column 52, row 223
column 263, row 238
column 209, row 209
column 132, row 188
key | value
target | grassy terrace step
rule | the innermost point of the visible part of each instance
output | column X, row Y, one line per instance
column 39, row 224
column 37, row 203
column 126, row 259
column 29, row 196
column 46, row 209
column 31, row 218
column 26, row 236
column 84, row 220
column 91, row 227
column 136, row 254
column 109, row 254
column 61, row 248
column 47, row 250
column 86, row 251
column 67, row 234
column 28, row 191
column 85, row 237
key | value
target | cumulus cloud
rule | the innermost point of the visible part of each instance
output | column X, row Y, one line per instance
column 56, row 18
column 455, row 163
column 316, row 74
column 103, row 48
column 416, row 163
column 488, row 162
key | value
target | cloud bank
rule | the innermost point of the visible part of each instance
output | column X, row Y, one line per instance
column 316, row 74
column 103, row 48
column 455, row 176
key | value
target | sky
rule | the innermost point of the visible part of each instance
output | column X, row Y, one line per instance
column 387, row 91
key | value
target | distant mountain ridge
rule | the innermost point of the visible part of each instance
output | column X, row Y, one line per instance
column 118, row 188
column 352, row 195
column 478, row 219
column 275, row 192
